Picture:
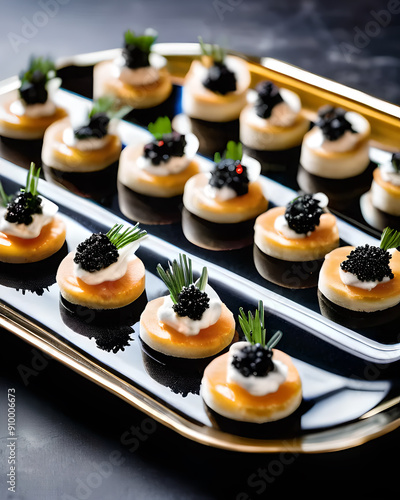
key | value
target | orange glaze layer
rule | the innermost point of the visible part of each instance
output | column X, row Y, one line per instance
column 107, row 295
column 387, row 186
column 207, row 342
column 70, row 155
column 234, row 398
column 252, row 201
column 330, row 269
column 20, row 250
column 28, row 123
column 324, row 235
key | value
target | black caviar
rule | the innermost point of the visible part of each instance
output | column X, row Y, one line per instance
column 135, row 57
column 333, row 123
column 253, row 359
column 368, row 263
column 162, row 150
column 232, row 174
column 303, row 214
column 396, row 161
column 220, row 79
column 23, row 207
column 192, row 302
column 96, row 128
column 268, row 97
column 34, row 91
column 96, row 253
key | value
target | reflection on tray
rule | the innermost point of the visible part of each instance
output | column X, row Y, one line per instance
column 35, row 277
column 148, row 209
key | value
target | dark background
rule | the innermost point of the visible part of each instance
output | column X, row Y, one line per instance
column 340, row 39
column 67, row 427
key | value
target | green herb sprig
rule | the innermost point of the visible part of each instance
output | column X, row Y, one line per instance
column 32, row 181
column 214, row 51
column 4, row 197
column 107, row 105
column 142, row 42
column 179, row 275
column 121, row 237
column 390, row 239
column 234, row 151
column 253, row 327
column 38, row 64
column 160, row 127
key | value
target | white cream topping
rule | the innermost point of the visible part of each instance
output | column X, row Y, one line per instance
column 351, row 279
column 389, row 173
column 346, row 142
column 113, row 272
column 256, row 386
column 20, row 108
column 32, row 230
column 220, row 194
column 89, row 144
column 283, row 114
column 185, row 325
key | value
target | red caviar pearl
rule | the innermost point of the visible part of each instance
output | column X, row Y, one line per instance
column 239, row 169
column 161, row 143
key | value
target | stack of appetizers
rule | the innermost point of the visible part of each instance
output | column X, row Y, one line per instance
column 138, row 78
column 26, row 113
column 84, row 155
column 103, row 274
column 191, row 322
column 363, row 279
column 291, row 242
column 253, row 382
column 152, row 176
column 272, row 126
column 381, row 205
column 221, row 206
column 213, row 95
column 335, row 156
column 30, row 235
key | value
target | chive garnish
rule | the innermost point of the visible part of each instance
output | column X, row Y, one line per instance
column 390, row 239
column 253, row 327
column 121, row 237
column 179, row 275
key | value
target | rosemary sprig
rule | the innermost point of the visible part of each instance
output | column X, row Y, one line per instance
column 160, row 127
column 36, row 66
column 32, row 181
column 253, row 327
column 390, row 239
column 234, row 151
column 120, row 238
column 214, row 51
column 107, row 105
column 4, row 197
column 179, row 275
